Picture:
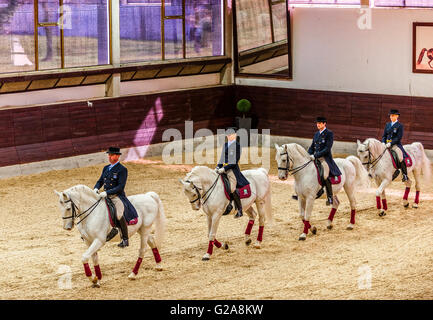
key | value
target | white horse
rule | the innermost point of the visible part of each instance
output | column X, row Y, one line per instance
column 293, row 158
column 82, row 203
column 379, row 163
column 204, row 189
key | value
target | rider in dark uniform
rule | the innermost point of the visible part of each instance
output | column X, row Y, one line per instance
column 113, row 178
column 229, row 159
column 321, row 147
column 392, row 136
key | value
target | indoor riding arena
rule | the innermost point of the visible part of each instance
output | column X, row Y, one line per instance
column 164, row 87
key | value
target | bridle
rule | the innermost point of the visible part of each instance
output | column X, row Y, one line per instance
column 208, row 192
column 372, row 163
column 293, row 170
column 74, row 209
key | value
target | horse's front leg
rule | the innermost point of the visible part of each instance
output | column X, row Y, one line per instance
column 408, row 184
column 306, row 206
column 379, row 192
column 92, row 252
column 214, row 222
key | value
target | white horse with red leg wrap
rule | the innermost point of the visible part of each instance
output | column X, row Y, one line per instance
column 82, row 203
column 293, row 158
column 379, row 163
column 204, row 189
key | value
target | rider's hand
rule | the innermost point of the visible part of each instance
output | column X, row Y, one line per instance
column 388, row 144
column 312, row 157
column 96, row 190
column 103, row 194
column 221, row 170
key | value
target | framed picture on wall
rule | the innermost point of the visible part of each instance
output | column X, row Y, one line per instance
column 422, row 57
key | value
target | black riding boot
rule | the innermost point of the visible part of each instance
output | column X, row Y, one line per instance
column 238, row 204
column 404, row 171
column 112, row 234
column 124, row 232
column 328, row 187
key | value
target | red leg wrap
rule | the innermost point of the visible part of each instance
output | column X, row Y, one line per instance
column 378, row 202
column 210, row 247
column 384, row 204
column 306, row 226
column 137, row 265
column 87, row 270
column 249, row 227
column 260, row 235
column 98, row 272
column 352, row 216
column 417, row 197
column 406, row 193
column 331, row 215
column 217, row 243
column 156, row 255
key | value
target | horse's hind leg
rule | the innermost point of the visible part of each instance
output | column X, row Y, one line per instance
column 144, row 235
column 351, row 195
column 334, row 209
column 408, row 184
column 252, row 217
column 417, row 176
column 152, row 245
column 261, row 208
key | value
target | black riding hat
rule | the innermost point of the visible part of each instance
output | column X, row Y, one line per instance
column 113, row 150
column 231, row 130
column 321, row 119
column 393, row 111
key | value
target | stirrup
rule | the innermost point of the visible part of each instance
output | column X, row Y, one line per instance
column 295, row 197
column 124, row 243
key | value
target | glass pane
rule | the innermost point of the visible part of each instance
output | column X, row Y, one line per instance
column 49, row 48
column 173, row 8
column 279, row 19
column 48, row 11
column 173, row 39
column 253, row 23
column 86, row 33
column 140, row 31
column 204, row 28
column 17, row 46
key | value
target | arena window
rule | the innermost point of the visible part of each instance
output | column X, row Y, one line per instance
column 177, row 29
column 404, row 3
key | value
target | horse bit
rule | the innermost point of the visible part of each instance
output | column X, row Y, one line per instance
column 199, row 196
column 294, row 170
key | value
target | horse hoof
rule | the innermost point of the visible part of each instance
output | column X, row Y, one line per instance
column 225, row 246
column 302, row 237
column 329, row 227
column 158, row 267
column 406, row 205
column 313, row 230
column 349, row 227
column 382, row 214
column 415, row 206
column 258, row 245
column 248, row 242
column 206, row 257
column 96, row 284
column 132, row 276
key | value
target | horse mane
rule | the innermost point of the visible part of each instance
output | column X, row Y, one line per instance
column 200, row 171
column 375, row 146
column 296, row 147
column 81, row 188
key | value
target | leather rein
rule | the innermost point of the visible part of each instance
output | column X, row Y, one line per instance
column 75, row 209
column 293, row 170
column 208, row 192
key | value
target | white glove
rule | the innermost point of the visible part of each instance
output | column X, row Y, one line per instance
column 96, row 190
column 217, row 169
column 221, row 170
column 388, row 144
column 312, row 157
column 103, row 194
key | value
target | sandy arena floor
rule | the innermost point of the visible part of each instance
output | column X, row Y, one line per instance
column 397, row 249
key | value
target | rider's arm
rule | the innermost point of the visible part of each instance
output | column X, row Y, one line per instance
column 100, row 182
column 328, row 145
column 384, row 135
column 399, row 136
column 311, row 148
column 232, row 162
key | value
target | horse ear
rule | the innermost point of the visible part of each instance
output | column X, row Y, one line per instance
column 358, row 142
column 367, row 144
column 276, row 146
column 181, row 181
column 57, row 193
column 285, row 147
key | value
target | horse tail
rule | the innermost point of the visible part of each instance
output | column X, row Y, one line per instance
column 425, row 165
column 268, row 207
column 362, row 179
column 160, row 221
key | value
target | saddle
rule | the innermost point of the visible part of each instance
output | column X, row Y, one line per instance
column 320, row 173
column 243, row 192
column 396, row 162
column 112, row 215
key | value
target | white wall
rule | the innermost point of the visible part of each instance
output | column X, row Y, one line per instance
column 330, row 52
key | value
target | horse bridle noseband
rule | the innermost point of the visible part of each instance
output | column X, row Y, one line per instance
column 294, row 170
column 375, row 161
column 75, row 208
